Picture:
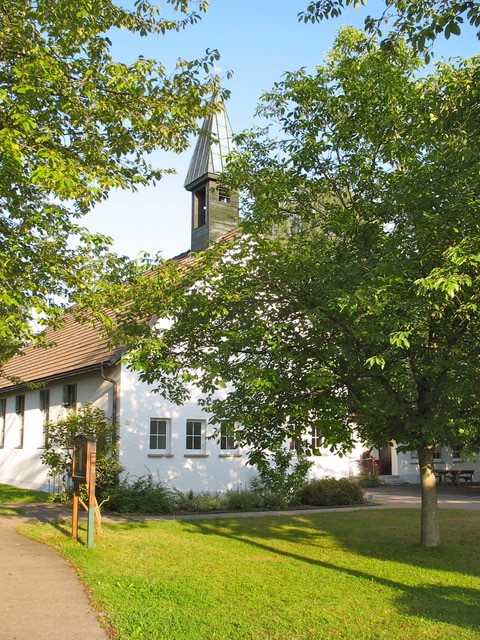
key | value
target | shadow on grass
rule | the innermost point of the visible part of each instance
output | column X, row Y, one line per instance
column 437, row 602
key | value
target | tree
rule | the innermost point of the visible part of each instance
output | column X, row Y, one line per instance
column 58, row 454
column 420, row 21
column 59, row 445
column 359, row 317
column 76, row 123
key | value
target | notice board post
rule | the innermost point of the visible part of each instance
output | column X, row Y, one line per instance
column 83, row 473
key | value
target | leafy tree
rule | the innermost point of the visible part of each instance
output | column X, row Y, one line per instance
column 420, row 21
column 59, row 447
column 74, row 124
column 360, row 317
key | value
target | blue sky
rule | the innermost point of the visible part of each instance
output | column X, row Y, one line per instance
column 258, row 40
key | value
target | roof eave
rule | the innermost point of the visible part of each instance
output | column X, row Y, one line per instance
column 98, row 366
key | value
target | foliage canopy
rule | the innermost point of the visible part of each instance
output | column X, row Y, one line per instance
column 59, row 445
column 76, row 123
column 361, row 309
column 364, row 307
column 420, row 21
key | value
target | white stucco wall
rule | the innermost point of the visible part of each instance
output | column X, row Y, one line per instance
column 21, row 466
column 214, row 471
column 211, row 470
column 408, row 469
column 332, row 465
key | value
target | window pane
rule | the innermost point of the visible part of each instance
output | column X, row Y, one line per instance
column 158, row 434
column 227, row 438
column 193, row 438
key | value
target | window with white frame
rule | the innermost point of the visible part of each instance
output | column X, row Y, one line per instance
column 457, row 452
column 159, row 435
column 20, row 411
column 437, row 455
column 44, row 402
column 3, row 415
column 295, row 444
column 315, row 438
column 195, row 436
column 70, row 397
column 227, row 438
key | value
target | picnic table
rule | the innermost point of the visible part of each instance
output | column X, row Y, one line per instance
column 454, row 475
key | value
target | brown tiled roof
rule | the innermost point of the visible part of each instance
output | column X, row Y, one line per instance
column 76, row 347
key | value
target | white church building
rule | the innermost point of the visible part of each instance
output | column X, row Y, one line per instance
column 155, row 437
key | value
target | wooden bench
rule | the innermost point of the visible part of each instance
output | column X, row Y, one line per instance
column 466, row 475
column 454, row 476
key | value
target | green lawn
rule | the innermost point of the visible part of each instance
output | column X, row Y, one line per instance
column 351, row 575
column 10, row 494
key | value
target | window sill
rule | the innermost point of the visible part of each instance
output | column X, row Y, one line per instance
column 196, row 455
column 230, row 455
column 160, row 455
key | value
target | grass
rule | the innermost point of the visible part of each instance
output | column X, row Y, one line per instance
column 343, row 575
column 15, row 495
column 8, row 511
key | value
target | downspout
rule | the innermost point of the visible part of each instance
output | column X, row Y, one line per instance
column 114, row 383
column 115, row 415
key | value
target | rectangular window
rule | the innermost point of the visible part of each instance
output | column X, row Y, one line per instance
column 159, row 434
column 3, row 415
column 296, row 444
column 44, row 402
column 199, row 208
column 227, row 438
column 316, row 438
column 457, row 453
column 20, row 411
column 70, row 397
column 194, row 435
column 223, row 195
column 437, row 455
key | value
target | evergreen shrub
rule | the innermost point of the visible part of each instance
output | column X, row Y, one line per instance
column 199, row 502
column 242, row 501
column 330, row 492
column 143, row 495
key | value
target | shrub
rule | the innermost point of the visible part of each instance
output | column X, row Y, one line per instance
column 92, row 421
column 279, row 478
column 144, row 495
column 328, row 492
column 199, row 502
column 242, row 501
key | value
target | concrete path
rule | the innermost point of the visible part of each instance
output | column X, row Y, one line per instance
column 42, row 598
column 401, row 496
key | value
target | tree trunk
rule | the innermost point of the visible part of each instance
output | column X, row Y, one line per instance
column 430, row 530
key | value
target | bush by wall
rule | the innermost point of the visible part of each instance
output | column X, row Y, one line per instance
column 150, row 496
column 329, row 492
column 199, row 502
column 280, row 476
column 143, row 495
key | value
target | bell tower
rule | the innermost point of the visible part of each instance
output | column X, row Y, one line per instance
column 214, row 210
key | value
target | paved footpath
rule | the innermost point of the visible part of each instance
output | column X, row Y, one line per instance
column 42, row 598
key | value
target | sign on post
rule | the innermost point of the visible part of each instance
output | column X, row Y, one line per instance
column 83, row 472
